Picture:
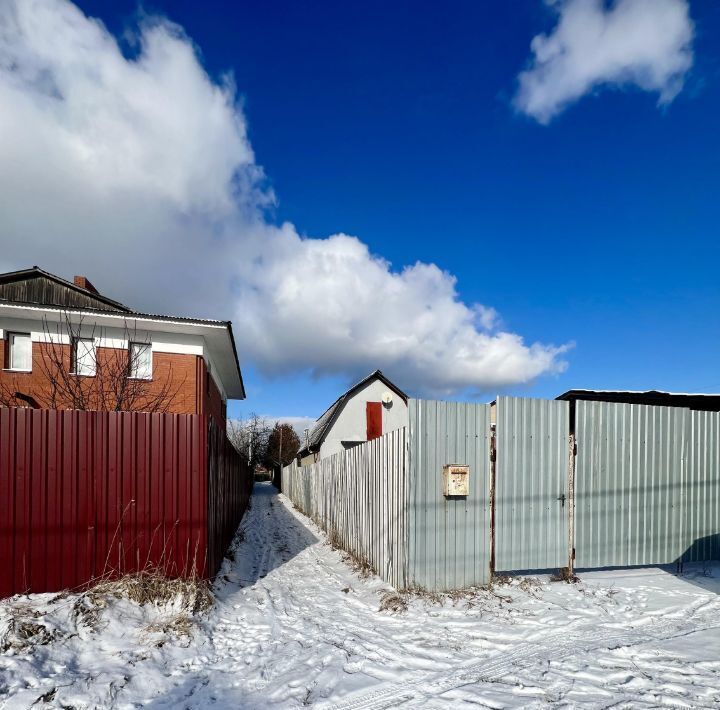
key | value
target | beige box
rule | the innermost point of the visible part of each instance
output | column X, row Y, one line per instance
column 456, row 479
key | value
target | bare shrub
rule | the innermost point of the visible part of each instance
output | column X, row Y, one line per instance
column 394, row 602
column 564, row 575
column 360, row 565
column 23, row 631
column 334, row 540
column 151, row 587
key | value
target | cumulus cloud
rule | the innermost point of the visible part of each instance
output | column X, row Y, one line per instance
column 641, row 43
column 136, row 169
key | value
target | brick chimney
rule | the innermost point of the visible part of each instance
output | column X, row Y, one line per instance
column 84, row 282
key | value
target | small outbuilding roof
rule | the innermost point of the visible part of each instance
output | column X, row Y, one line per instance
column 328, row 417
column 697, row 401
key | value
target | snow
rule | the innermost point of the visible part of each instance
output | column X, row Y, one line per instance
column 294, row 625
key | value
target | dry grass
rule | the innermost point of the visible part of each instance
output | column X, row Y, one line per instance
column 24, row 627
column 394, row 602
column 564, row 575
column 194, row 594
column 334, row 540
column 23, row 631
column 177, row 625
column 359, row 565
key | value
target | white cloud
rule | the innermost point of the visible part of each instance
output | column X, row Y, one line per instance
column 138, row 172
column 642, row 43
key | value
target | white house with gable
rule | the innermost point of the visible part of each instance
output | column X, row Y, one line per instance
column 369, row 409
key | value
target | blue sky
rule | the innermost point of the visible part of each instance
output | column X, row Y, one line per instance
column 398, row 123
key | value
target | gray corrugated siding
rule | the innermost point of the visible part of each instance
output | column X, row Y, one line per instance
column 360, row 498
column 449, row 539
column 701, row 505
column 628, row 484
column 647, row 490
column 531, row 530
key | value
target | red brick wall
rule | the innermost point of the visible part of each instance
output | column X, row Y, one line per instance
column 179, row 371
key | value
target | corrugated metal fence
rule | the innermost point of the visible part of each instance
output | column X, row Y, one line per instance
column 230, row 483
column 701, row 505
column 643, row 488
column 449, row 537
column 647, row 485
column 360, row 498
column 531, row 484
column 89, row 494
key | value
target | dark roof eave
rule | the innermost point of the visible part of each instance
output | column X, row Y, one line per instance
column 696, row 401
column 35, row 270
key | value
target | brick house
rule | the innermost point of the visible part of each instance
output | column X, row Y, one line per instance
column 59, row 338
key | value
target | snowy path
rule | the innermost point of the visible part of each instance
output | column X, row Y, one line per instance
column 294, row 626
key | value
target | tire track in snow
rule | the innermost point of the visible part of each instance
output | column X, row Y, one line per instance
column 524, row 655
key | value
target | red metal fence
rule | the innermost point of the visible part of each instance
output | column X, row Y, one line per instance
column 89, row 494
column 228, row 493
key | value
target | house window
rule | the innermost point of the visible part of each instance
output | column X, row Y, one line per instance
column 83, row 356
column 19, row 351
column 141, row 361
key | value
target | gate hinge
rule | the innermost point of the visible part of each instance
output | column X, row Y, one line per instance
column 573, row 553
column 575, row 449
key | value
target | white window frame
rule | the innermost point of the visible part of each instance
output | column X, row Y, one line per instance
column 140, row 344
column 73, row 357
column 9, row 345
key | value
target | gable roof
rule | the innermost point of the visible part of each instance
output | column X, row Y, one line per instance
column 328, row 417
column 701, row 402
column 35, row 285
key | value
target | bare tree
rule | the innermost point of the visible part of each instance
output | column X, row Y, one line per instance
column 80, row 372
column 250, row 437
column 283, row 445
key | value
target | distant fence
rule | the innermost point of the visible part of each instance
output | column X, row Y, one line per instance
column 89, row 494
column 611, row 485
column 360, row 498
column 230, row 482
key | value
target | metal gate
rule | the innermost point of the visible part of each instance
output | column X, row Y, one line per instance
column 532, row 495
column 629, row 491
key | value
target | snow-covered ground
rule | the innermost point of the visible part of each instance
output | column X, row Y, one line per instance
column 294, row 625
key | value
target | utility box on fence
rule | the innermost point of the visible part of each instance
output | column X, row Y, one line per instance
column 456, row 479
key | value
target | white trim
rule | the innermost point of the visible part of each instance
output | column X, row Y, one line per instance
column 152, row 363
column 10, row 355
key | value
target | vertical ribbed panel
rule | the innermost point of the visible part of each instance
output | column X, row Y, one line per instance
column 531, row 530
column 628, row 484
column 701, row 509
column 360, row 498
column 449, row 538
column 85, row 495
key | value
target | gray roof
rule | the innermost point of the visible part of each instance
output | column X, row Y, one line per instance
column 327, row 418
